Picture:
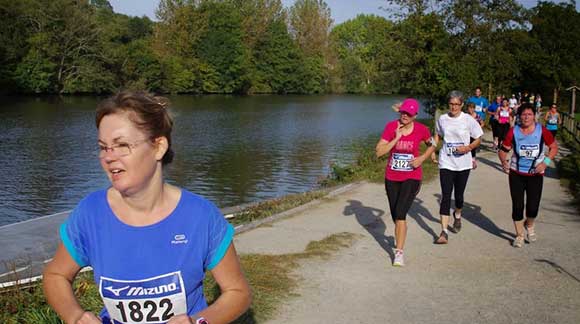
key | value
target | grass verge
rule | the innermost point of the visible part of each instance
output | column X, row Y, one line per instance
column 370, row 168
column 569, row 168
column 270, row 276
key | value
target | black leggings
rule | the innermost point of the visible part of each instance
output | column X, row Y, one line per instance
column 451, row 180
column 532, row 187
column 502, row 130
column 401, row 196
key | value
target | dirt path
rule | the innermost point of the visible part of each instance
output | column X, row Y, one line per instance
column 477, row 278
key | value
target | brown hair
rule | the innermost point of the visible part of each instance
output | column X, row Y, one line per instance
column 148, row 112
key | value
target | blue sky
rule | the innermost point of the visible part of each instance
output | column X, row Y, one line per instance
column 341, row 10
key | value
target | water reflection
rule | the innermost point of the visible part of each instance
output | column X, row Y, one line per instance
column 230, row 149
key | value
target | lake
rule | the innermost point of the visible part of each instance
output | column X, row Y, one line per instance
column 229, row 149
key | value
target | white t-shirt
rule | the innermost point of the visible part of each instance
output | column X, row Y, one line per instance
column 456, row 132
column 513, row 102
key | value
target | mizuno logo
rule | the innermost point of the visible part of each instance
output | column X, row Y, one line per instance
column 117, row 291
column 140, row 291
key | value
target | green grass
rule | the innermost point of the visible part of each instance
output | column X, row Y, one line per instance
column 569, row 168
column 271, row 277
column 274, row 206
column 370, row 168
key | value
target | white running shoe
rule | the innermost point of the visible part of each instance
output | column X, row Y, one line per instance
column 531, row 234
column 399, row 259
column 518, row 242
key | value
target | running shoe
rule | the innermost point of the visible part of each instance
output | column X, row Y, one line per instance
column 518, row 242
column 531, row 234
column 399, row 259
column 443, row 238
column 456, row 224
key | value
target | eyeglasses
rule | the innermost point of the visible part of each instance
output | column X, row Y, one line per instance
column 118, row 150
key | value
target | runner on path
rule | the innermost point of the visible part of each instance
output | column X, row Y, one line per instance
column 402, row 138
column 456, row 128
column 526, row 169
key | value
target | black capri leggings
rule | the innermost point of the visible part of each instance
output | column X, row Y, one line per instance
column 452, row 181
column 401, row 195
column 502, row 130
column 532, row 187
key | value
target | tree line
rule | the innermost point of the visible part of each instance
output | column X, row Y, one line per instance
column 425, row 47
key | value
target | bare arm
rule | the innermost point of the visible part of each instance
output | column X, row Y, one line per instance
column 428, row 152
column 236, row 295
column 58, row 277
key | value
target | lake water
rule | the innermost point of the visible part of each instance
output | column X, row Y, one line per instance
column 229, row 149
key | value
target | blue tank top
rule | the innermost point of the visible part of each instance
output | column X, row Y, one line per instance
column 528, row 150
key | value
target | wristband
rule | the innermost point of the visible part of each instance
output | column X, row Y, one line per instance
column 547, row 160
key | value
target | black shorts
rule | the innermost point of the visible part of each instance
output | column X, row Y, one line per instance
column 401, row 195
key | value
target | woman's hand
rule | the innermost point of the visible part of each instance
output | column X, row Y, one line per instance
column 88, row 318
column 434, row 158
column 506, row 166
column 463, row 149
column 416, row 162
column 180, row 319
column 540, row 168
column 399, row 130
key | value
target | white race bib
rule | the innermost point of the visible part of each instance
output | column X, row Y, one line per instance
column 504, row 113
column 553, row 120
column 402, row 162
column 529, row 151
column 451, row 148
column 152, row 300
column 478, row 108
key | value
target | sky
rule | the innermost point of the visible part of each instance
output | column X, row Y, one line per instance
column 341, row 10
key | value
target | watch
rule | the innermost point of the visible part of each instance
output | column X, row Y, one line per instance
column 201, row 320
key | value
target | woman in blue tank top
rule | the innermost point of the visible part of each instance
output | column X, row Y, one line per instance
column 526, row 169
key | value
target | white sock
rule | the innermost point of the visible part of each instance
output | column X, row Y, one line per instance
column 446, row 231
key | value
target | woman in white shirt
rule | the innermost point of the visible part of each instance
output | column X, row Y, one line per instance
column 455, row 128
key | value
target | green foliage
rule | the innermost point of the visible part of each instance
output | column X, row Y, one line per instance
column 258, row 46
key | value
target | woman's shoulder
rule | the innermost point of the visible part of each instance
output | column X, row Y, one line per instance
column 195, row 200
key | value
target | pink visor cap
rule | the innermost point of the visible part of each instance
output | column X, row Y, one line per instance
column 409, row 106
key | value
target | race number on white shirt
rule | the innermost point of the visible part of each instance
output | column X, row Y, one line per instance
column 456, row 132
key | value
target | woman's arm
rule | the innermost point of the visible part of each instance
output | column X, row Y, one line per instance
column 383, row 147
column 57, row 281
column 236, row 295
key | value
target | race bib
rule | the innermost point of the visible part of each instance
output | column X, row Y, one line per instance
column 478, row 108
column 553, row 120
column 529, row 151
column 504, row 113
column 402, row 162
column 451, row 148
column 153, row 300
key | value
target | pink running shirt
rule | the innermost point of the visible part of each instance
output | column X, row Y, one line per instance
column 407, row 148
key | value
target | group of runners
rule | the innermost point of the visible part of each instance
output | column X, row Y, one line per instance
column 515, row 128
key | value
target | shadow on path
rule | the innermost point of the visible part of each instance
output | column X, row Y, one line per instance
column 418, row 213
column 493, row 164
column 472, row 213
column 370, row 219
column 558, row 268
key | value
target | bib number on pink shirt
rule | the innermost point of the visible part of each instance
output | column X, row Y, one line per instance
column 402, row 162
column 504, row 113
column 151, row 300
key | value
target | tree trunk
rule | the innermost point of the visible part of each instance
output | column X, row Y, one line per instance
column 555, row 100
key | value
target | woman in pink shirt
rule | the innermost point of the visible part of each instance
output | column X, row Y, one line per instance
column 402, row 138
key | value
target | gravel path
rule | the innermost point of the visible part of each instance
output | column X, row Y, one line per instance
column 477, row 278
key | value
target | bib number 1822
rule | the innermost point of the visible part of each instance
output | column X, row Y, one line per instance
column 145, row 310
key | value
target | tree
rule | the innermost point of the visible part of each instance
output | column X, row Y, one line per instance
column 556, row 29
